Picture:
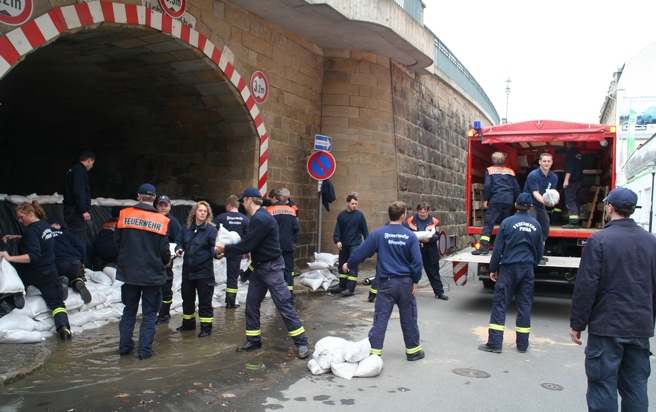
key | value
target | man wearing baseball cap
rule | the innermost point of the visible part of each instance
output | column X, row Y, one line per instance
column 518, row 249
column 163, row 206
column 262, row 242
column 143, row 252
column 615, row 298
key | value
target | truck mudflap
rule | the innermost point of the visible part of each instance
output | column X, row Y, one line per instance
column 463, row 261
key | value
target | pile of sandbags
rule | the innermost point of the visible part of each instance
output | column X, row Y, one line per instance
column 323, row 272
column 344, row 358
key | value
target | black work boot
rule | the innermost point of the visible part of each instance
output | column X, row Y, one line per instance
column 187, row 324
column 484, row 250
column 205, row 329
column 64, row 282
column 231, row 301
column 163, row 316
column 65, row 332
column 83, row 291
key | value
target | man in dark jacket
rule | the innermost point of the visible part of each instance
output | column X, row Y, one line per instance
column 68, row 260
column 77, row 197
column 143, row 253
column 518, row 248
column 499, row 193
column 615, row 298
column 163, row 206
column 262, row 243
column 288, row 228
column 350, row 229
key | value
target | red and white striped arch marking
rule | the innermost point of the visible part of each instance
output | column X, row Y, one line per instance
column 47, row 27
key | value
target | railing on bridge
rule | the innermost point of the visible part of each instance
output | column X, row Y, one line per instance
column 448, row 63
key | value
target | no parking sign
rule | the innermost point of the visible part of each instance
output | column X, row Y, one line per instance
column 321, row 165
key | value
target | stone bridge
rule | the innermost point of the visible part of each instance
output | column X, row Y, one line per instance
column 161, row 91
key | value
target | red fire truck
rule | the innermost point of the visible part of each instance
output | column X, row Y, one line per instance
column 523, row 143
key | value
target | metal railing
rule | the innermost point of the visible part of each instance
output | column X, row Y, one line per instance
column 448, row 63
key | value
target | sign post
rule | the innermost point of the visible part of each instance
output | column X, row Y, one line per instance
column 321, row 166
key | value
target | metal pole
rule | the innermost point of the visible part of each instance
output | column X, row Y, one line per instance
column 320, row 217
column 651, row 205
column 507, row 96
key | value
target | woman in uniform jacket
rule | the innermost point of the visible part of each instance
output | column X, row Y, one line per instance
column 196, row 244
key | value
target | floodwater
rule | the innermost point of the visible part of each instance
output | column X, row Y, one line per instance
column 187, row 373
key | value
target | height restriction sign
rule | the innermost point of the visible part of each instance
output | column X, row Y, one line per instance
column 321, row 165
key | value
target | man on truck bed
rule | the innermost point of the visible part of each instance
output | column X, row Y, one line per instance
column 537, row 183
column 501, row 189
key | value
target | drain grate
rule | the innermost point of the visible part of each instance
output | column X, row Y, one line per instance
column 552, row 386
column 471, row 373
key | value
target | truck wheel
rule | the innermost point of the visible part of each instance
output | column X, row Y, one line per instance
column 488, row 283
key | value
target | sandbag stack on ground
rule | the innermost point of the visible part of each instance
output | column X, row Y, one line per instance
column 344, row 358
column 323, row 272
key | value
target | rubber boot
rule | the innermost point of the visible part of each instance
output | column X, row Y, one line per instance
column 64, row 282
column 350, row 288
column 187, row 324
column 231, row 301
column 83, row 291
column 205, row 329
column 163, row 316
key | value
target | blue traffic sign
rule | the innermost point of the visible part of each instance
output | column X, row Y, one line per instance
column 321, row 165
column 322, row 142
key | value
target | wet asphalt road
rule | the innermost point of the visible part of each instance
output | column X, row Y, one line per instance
column 192, row 374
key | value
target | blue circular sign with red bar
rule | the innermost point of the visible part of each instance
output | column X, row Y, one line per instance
column 321, row 165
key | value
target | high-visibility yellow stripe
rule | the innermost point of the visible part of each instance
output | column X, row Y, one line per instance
column 167, row 301
column 574, row 217
column 522, row 330
column 376, row 351
column 297, row 332
column 253, row 332
column 189, row 317
column 75, row 280
column 58, row 310
column 232, row 290
column 494, row 326
column 251, row 268
column 374, row 291
column 206, row 320
column 353, row 278
column 290, row 287
column 343, row 276
column 486, row 238
column 557, row 210
column 410, row 351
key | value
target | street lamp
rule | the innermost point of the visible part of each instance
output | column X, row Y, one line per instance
column 508, row 81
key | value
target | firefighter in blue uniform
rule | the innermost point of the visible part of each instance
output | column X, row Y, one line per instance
column 350, row 229
column 398, row 271
column 499, row 193
column 261, row 241
column 232, row 221
column 35, row 263
column 163, row 206
column 430, row 254
column 288, row 229
column 517, row 250
column 143, row 253
column 572, row 183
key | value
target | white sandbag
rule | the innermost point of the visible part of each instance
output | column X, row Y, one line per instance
column 99, row 277
column 551, row 196
column 424, row 234
column 80, row 318
column 10, row 282
column 330, row 350
column 319, row 264
column 34, row 306
column 20, row 336
column 344, row 370
column 312, row 283
column 98, row 298
column 111, row 272
column 369, row 367
column 226, row 237
column 357, row 351
column 16, row 321
column 326, row 257
column 314, row 367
